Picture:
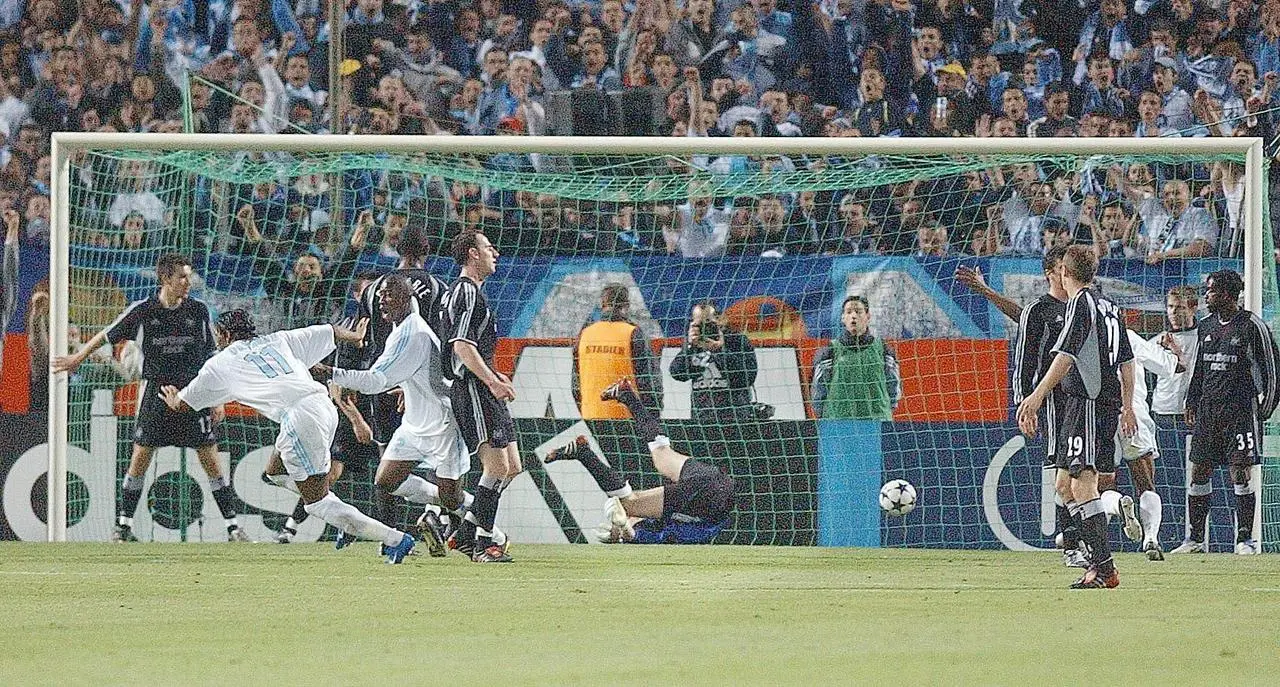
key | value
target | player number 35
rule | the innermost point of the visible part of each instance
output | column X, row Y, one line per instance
column 1244, row 442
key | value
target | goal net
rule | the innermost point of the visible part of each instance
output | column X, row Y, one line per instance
column 776, row 234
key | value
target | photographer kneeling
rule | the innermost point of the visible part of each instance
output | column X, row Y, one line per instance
column 721, row 363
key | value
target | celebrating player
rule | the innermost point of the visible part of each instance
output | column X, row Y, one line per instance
column 692, row 509
column 353, row 442
column 1141, row 450
column 427, row 434
column 1233, row 391
column 1089, row 352
column 479, row 393
column 176, row 337
column 426, row 291
column 270, row 374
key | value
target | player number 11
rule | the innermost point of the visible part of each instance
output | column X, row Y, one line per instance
column 270, row 362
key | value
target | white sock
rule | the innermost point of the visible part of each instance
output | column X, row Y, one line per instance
column 1111, row 503
column 349, row 519
column 658, row 442
column 1149, row 512
column 414, row 489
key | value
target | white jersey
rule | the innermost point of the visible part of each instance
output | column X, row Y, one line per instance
column 1170, row 397
column 267, row 373
column 410, row 360
column 1152, row 357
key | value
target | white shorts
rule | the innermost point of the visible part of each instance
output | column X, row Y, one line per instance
column 1143, row 441
column 443, row 452
column 306, row 433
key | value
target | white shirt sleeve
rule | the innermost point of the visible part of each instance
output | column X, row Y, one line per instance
column 309, row 344
column 406, row 350
column 206, row 390
column 1153, row 356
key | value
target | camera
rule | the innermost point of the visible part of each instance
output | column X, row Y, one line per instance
column 709, row 331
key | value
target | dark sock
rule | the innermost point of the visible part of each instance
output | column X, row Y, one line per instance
column 467, row 527
column 609, row 479
column 387, row 507
column 485, row 510
column 1244, row 516
column 1062, row 521
column 1198, row 511
column 646, row 421
column 300, row 513
column 226, row 500
column 131, row 494
column 1093, row 529
column 1071, row 528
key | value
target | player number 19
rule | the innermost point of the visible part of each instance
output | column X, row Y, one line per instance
column 1075, row 446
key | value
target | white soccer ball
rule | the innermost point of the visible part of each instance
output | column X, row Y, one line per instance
column 898, row 497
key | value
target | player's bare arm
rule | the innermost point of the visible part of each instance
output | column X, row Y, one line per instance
column 69, row 363
column 169, row 394
column 498, row 383
column 1128, row 421
column 1031, row 404
column 972, row 278
column 354, row 336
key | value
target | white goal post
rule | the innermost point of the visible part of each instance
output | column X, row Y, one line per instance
column 66, row 145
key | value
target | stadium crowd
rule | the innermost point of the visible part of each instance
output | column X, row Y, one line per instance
column 1032, row 68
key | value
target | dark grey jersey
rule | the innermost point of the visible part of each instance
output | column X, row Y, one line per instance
column 1095, row 338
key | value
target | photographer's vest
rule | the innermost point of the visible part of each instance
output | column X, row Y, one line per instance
column 858, row 389
column 604, row 355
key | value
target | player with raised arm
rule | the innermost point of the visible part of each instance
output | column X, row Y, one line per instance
column 427, row 293
column 1094, row 364
column 691, row 509
column 353, row 442
column 1233, row 391
column 270, row 374
column 176, row 337
column 479, row 394
column 427, row 433
column 1039, row 326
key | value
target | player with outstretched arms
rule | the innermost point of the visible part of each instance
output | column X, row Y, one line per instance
column 270, row 374
column 691, row 508
column 1094, row 365
column 427, row 292
column 1233, row 391
column 353, row 443
column 427, row 433
column 176, row 337
column 479, row 394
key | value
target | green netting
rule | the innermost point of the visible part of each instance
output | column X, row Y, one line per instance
column 789, row 237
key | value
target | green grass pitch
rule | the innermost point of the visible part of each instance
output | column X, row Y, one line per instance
column 222, row 614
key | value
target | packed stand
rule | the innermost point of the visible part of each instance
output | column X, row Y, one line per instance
column 649, row 67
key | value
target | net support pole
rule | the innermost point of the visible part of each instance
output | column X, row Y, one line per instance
column 59, row 311
column 1253, row 244
column 1253, row 278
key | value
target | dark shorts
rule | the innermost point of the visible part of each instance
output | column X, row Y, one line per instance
column 350, row 451
column 481, row 417
column 158, row 426
column 1087, row 436
column 703, row 493
column 1052, row 412
column 382, row 414
column 1226, row 436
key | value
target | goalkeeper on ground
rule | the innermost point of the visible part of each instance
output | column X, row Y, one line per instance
column 691, row 508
